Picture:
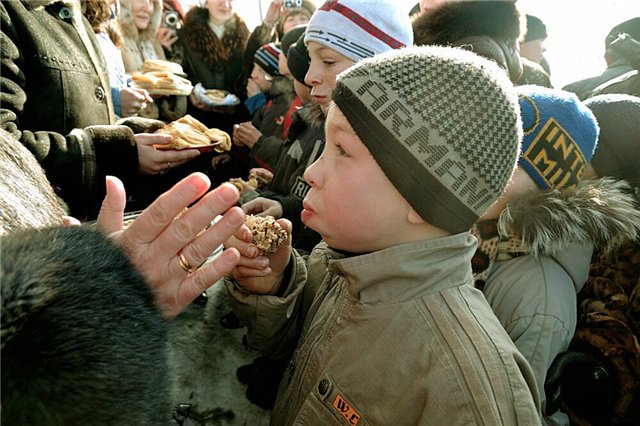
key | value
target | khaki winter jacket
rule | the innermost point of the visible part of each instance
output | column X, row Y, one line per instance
column 394, row 337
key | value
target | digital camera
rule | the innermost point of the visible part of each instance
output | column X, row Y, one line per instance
column 292, row 4
column 170, row 19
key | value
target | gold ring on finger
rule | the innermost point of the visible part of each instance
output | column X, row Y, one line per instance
column 185, row 265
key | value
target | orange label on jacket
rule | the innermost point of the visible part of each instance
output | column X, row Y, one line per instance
column 346, row 410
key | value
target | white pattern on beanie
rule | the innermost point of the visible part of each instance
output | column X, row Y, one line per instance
column 359, row 29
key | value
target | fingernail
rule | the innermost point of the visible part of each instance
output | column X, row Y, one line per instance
column 252, row 251
column 230, row 194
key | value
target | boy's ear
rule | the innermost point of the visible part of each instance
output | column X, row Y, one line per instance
column 414, row 218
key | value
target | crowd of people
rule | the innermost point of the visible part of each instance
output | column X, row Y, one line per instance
column 460, row 232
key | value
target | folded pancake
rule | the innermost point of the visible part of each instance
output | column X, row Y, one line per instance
column 215, row 95
column 153, row 65
column 162, row 83
column 189, row 133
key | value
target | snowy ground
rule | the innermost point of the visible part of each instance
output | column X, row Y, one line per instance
column 204, row 356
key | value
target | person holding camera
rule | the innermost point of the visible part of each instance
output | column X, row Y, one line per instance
column 281, row 16
column 140, row 20
column 172, row 21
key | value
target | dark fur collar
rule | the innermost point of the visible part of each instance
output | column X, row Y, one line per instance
column 452, row 21
column 201, row 39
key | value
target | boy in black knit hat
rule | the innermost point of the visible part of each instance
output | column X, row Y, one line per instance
column 385, row 306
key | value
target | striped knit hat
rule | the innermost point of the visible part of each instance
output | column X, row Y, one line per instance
column 442, row 123
column 360, row 29
column 267, row 57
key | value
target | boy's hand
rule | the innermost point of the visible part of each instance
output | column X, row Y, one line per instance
column 263, row 207
column 246, row 134
column 252, row 88
column 255, row 273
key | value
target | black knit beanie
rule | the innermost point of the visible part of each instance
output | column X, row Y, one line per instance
column 618, row 151
column 298, row 60
column 291, row 37
column 536, row 29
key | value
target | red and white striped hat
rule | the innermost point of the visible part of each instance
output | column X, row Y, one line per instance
column 360, row 29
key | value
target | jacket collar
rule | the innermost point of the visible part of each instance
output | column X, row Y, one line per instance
column 407, row 271
column 41, row 4
column 601, row 212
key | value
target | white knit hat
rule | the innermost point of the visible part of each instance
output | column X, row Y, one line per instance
column 359, row 29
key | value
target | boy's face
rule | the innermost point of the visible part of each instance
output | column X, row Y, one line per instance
column 325, row 65
column 351, row 202
column 303, row 92
column 262, row 79
column 283, row 67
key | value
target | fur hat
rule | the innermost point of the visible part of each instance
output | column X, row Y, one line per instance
column 360, row 29
column 618, row 152
column 536, row 29
column 298, row 60
column 488, row 28
column 560, row 135
column 442, row 123
column 451, row 21
column 631, row 27
column 267, row 57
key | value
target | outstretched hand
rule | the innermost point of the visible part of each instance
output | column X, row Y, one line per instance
column 167, row 242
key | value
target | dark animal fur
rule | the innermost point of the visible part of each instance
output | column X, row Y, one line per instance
column 82, row 342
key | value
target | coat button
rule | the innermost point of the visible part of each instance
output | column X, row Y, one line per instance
column 323, row 387
column 99, row 93
column 65, row 13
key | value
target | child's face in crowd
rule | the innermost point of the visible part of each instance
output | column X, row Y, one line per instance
column 142, row 10
column 283, row 67
column 220, row 11
column 262, row 79
column 533, row 50
column 351, row 202
column 303, row 92
column 293, row 20
column 325, row 65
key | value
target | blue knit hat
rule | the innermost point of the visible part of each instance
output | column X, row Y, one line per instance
column 267, row 57
column 560, row 136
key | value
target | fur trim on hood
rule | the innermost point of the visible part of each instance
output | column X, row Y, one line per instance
column 452, row 21
column 128, row 25
column 602, row 212
column 313, row 115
